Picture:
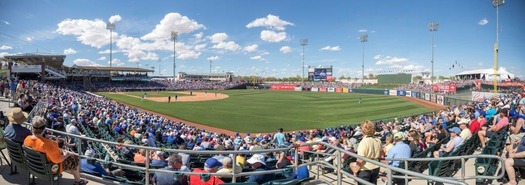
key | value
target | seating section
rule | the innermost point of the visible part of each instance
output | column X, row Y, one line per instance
column 489, row 166
column 39, row 167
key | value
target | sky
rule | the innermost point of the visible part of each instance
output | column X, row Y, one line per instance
column 262, row 37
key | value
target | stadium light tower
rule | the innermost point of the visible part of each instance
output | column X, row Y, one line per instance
column 174, row 36
column 433, row 27
column 210, row 64
column 110, row 26
column 496, row 4
column 363, row 38
column 304, row 42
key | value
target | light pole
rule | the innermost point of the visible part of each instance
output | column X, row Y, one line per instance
column 433, row 27
column 174, row 36
column 210, row 64
column 363, row 38
column 304, row 42
column 160, row 60
column 110, row 26
column 496, row 4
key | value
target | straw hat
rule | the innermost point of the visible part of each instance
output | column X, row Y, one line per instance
column 17, row 116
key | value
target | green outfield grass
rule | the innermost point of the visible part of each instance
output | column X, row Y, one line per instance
column 265, row 111
column 157, row 94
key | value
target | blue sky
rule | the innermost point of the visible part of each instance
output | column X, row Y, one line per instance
column 262, row 37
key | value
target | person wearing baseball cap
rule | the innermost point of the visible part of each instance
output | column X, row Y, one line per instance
column 257, row 161
column 452, row 145
column 400, row 150
column 465, row 131
column 210, row 166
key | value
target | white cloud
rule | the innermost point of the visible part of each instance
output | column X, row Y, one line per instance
column 2, row 54
column 85, row 62
column 271, row 22
column 258, row 57
column 409, row 67
column 271, row 36
column 331, row 48
column 173, row 22
column 218, row 38
column 69, row 51
column 200, row 47
column 286, row 49
column 388, row 60
column 89, row 32
column 114, row 19
column 29, row 39
column 116, row 62
column 231, row 46
column 198, row 37
column 483, row 22
column 102, row 58
column 251, row 48
column 5, row 22
column 213, row 58
column 362, row 30
column 5, row 47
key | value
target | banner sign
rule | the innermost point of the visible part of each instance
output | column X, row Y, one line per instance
column 26, row 69
column 393, row 93
column 409, row 93
column 427, row 96
column 386, row 91
column 441, row 99
column 331, row 89
column 298, row 89
column 444, row 88
column 338, row 90
column 282, row 87
column 433, row 98
column 414, row 94
column 345, row 90
column 314, row 89
column 322, row 89
column 401, row 93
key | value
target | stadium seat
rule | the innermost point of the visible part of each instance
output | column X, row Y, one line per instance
column 14, row 150
column 39, row 167
column 283, row 182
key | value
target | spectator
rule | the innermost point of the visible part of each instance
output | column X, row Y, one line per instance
column 91, row 166
column 369, row 147
column 279, row 138
column 301, row 172
column 210, row 166
column 499, row 127
column 38, row 142
column 15, row 131
column 452, row 145
column 72, row 128
column 400, row 150
column 158, row 159
column 174, row 164
column 257, row 162
column 465, row 131
column 140, row 156
column 515, row 159
column 389, row 143
column 227, row 166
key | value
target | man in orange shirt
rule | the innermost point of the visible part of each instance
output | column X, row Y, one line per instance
column 38, row 142
column 210, row 166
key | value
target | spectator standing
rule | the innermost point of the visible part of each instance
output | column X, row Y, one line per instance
column 369, row 147
column 279, row 138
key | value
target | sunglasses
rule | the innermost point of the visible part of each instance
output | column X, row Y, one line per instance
column 40, row 127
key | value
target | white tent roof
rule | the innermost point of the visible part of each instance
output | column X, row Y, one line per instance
column 501, row 71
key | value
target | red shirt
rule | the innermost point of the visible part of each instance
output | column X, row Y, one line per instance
column 196, row 179
column 474, row 126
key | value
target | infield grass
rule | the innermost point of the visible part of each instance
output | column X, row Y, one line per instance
column 157, row 94
column 265, row 111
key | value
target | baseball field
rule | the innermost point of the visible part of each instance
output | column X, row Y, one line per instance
column 259, row 111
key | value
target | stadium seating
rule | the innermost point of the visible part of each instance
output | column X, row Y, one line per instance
column 15, row 153
column 40, row 167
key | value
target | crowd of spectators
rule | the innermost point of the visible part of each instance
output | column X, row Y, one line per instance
column 68, row 108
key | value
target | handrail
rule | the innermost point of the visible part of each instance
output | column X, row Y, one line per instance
column 462, row 158
column 234, row 174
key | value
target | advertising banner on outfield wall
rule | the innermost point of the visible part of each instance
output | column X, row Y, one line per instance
column 441, row 99
column 414, row 94
column 386, row 91
column 444, row 88
column 433, row 98
column 401, row 93
column 331, row 89
column 282, row 87
column 393, row 93
column 322, row 89
column 298, row 89
column 418, row 95
column 338, row 90
column 427, row 96
column 314, row 89
column 345, row 90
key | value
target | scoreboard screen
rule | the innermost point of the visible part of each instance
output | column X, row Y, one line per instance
column 320, row 74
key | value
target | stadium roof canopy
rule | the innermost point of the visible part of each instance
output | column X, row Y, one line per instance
column 118, row 69
column 502, row 72
column 52, row 60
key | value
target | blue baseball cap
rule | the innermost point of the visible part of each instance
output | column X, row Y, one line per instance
column 455, row 130
column 212, row 163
